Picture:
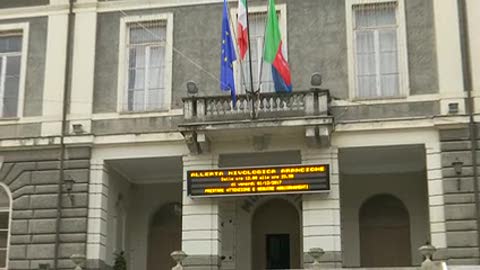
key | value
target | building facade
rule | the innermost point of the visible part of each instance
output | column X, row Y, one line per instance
column 98, row 134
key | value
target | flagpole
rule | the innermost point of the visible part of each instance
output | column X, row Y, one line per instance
column 261, row 57
column 240, row 61
column 251, row 92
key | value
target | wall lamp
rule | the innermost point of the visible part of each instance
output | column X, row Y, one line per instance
column 458, row 168
column 68, row 185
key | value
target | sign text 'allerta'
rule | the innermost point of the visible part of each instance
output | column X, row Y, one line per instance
column 256, row 181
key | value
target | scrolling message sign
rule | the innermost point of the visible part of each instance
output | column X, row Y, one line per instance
column 259, row 181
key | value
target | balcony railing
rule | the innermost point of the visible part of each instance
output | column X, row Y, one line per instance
column 266, row 105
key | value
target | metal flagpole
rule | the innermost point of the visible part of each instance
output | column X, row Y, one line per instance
column 251, row 92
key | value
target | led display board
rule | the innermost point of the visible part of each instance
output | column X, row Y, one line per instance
column 259, row 181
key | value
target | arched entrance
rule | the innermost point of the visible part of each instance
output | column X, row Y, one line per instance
column 276, row 236
column 384, row 232
column 165, row 236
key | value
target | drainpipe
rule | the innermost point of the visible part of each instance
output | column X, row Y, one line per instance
column 469, row 102
column 61, row 175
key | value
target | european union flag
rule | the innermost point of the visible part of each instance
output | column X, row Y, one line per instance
column 227, row 81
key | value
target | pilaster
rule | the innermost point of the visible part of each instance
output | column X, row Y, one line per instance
column 321, row 212
column 436, row 204
column 201, row 230
column 449, row 54
column 55, row 68
column 97, row 214
column 81, row 97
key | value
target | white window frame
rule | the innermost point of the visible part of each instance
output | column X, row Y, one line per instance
column 23, row 29
column 10, row 199
column 404, row 81
column 122, row 94
column 280, row 8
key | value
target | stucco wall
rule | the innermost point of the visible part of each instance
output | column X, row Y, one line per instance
column 316, row 43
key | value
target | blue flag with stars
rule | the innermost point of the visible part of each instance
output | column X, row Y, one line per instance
column 227, row 82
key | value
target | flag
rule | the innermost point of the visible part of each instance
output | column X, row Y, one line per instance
column 273, row 52
column 227, row 81
column 242, row 28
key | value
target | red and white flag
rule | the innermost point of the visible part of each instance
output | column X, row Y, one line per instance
column 242, row 28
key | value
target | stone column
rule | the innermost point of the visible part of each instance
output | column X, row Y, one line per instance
column 201, row 230
column 321, row 212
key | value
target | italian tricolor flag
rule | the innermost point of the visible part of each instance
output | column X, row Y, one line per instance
column 242, row 28
column 273, row 52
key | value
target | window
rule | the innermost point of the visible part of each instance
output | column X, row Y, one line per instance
column 377, row 50
column 257, row 20
column 10, row 63
column 4, row 226
column 147, row 54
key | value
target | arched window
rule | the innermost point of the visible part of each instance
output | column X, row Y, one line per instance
column 5, row 200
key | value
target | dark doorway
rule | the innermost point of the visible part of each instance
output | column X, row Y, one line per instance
column 278, row 251
column 276, row 236
column 384, row 233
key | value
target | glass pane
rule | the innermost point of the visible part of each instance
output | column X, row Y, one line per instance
column 4, row 199
column 136, row 78
column 367, row 86
column 366, row 64
column 11, row 96
column 365, row 41
column 4, row 216
column 138, row 100
column 388, row 63
column 389, row 85
column 137, row 57
column 155, row 99
column 13, row 65
column 3, row 258
column 388, row 40
column 157, row 56
column 147, row 32
column 155, row 78
column 375, row 15
column 10, row 44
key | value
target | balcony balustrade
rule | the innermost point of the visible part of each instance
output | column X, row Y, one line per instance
column 253, row 114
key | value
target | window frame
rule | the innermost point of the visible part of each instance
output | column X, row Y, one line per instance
column 402, row 50
column 9, row 210
column 279, row 8
column 122, row 92
column 21, row 29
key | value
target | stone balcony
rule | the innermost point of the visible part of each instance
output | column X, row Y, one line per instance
column 299, row 111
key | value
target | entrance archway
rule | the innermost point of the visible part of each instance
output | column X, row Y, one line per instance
column 276, row 236
column 165, row 236
column 384, row 232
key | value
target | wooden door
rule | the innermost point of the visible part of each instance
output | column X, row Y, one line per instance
column 384, row 233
